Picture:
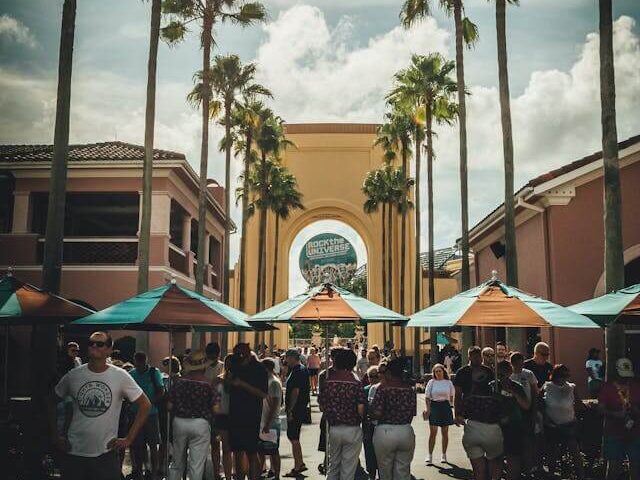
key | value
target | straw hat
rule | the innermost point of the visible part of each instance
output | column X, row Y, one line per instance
column 196, row 361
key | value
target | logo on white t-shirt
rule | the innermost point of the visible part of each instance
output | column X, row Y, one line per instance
column 94, row 398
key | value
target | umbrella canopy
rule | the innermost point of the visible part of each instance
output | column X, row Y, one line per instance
column 327, row 303
column 622, row 306
column 25, row 304
column 494, row 304
column 168, row 308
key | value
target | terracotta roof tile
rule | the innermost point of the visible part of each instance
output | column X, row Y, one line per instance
column 545, row 177
column 116, row 151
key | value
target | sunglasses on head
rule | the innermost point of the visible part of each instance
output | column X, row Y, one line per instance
column 97, row 343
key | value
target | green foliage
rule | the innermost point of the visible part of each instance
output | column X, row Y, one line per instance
column 470, row 33
column 173, row 32
column 181, row 13
column 413, row 11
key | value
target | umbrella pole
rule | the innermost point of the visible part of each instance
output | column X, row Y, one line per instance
column 167, row 439
column 326, row 378
column 6, row 365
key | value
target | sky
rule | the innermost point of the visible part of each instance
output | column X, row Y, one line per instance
column 331, row 61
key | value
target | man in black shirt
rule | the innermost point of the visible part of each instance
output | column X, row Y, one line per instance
column 248, row 382
column 296, row 402
column 478, row 408
column 539, row 364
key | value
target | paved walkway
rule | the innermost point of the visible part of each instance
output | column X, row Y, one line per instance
column 458, row 467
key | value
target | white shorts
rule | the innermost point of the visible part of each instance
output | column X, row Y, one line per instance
column 482, row 440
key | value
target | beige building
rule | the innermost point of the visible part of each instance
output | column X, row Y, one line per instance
column 330, row 162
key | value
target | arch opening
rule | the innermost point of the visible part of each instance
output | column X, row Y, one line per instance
column 304, row 335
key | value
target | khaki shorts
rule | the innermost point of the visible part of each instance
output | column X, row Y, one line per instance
column 482, row 440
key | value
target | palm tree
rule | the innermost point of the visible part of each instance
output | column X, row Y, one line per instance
column 466, row 35
column 246, row 118
column 44, row 338
column 270, row 141
column 207, row 13
column 613, row 246
column 515, row 337
column 228, row 79
column 375, row 188
column 285, row 197
column 428, row 81
column 401, row 194
column 402, row 124
column 147, row 169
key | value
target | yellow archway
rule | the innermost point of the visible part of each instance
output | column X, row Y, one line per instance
column 330, row 162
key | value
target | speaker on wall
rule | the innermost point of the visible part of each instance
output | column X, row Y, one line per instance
column 498, row 249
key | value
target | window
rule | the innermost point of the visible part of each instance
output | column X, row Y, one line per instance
column 215, row 248
column 91, row 214
column 176, row 223
column 194, row 236
column 7, row 185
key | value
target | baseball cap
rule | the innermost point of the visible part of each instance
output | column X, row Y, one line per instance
column 624, row 367
column 292, row 352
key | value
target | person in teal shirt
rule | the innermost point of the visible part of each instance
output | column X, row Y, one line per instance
column 150, row 381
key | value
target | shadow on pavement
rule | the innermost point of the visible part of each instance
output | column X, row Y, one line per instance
column 454, row 471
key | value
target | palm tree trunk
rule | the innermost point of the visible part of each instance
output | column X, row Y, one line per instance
column 275, row 261
column 227, row 200
column 147, row 172
column 262, row 229
column 44, row 338
column 390, row 263
column 433, row 333
column 384, row 264
column 515, row 337
column 613, row 246
column 261, row 238
column 204, row 146
column 418, row 267
column 274, row 284
column 54, row 236
column 465, row 275
column 243, row 237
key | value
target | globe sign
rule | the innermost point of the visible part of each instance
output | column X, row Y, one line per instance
column 328, row 257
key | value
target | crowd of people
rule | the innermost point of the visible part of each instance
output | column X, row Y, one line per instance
column 517, row 414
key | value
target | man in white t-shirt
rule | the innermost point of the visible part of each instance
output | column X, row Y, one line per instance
column 97, row 389
column 523, row 376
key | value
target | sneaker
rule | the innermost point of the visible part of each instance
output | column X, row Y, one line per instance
column 428, row 460
column 444, row 458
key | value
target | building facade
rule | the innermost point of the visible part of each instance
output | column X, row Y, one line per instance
column 103, row 206
column 330, row 162
column 560, row 246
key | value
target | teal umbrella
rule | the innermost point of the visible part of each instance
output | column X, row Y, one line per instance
column 622, row 306
column 494, row 304
column 168, row 308
column 24, row 304
column 327, row 303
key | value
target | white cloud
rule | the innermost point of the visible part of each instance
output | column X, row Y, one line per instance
column 16, row 31
column 316, row 75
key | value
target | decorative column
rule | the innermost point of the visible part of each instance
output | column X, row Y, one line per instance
column 20, row 224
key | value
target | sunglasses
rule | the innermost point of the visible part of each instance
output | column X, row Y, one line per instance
column 97, row 344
